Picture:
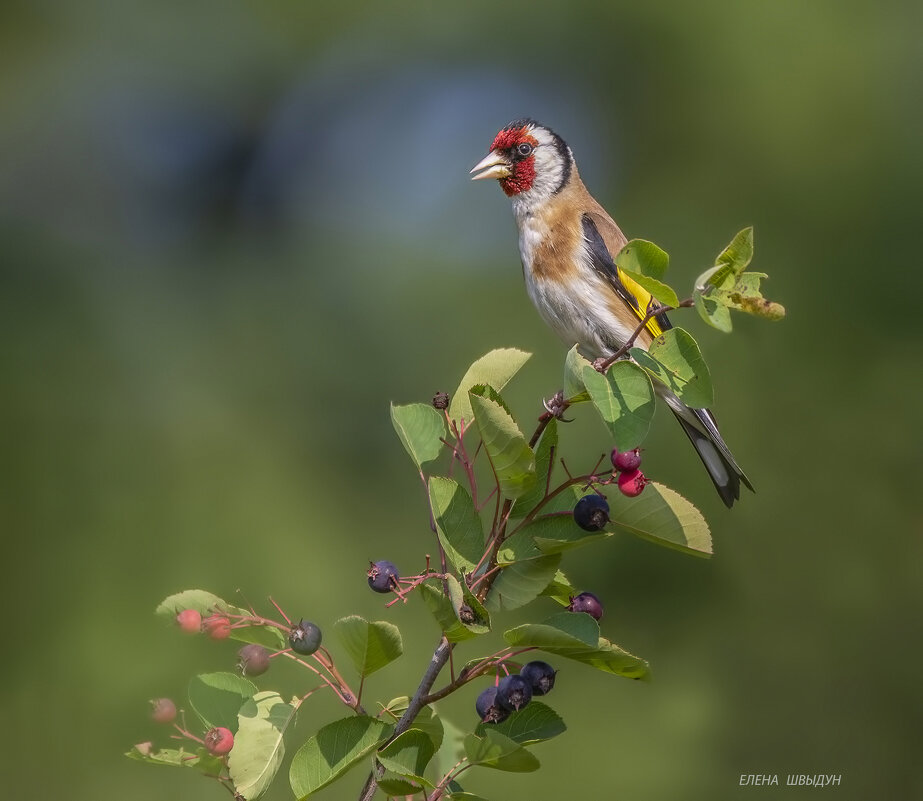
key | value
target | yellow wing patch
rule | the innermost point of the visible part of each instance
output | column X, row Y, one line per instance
column 640, row 294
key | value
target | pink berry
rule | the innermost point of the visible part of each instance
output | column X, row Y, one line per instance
column 189, row 621
column 626, row 460
column 219, row 741
column 631, row 483
column 218, row 627
column 163, row 710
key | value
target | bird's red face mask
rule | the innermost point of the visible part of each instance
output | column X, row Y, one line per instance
column 511, row 161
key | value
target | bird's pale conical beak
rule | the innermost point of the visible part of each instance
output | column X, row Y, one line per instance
column 494, row 165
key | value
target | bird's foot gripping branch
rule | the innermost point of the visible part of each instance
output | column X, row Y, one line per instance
column 503, row 512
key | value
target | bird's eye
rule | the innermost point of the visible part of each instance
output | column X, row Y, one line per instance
column 525, row 149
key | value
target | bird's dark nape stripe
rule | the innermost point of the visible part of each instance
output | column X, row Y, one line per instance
column 566, row 156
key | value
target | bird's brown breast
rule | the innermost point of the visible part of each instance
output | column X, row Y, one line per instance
column 555, row 256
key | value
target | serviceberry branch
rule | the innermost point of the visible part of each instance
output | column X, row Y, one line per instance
column 652, row 312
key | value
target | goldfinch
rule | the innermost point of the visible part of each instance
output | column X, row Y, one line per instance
column 568, row 245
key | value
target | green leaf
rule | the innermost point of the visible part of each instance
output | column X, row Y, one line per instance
column 394, row 785
column 675, row 360
column 663, row 516
column 441, row 608
column 420, row 428
column 712, row 312
column 561, row 631
column 731, row 262
column 268, row 636
column 737, row 255
column 560, row 589
column 202, row 601
column 746, row 296
column 452, row 748
column 468, row 609
column 495, row 750
column 458, row 524
column 510, row 455
column 258, row 745
column 544, row 463
column 624, row 398
column 531, row 724
column 334, row 750
column 408, row 754
column 370, row 646
column 173, row 757
column 487, row 391
column 576, row 636
column 574, row 388
column 522, row 582
column 206, row 603
column 429, row 723
column 559, row 533
column 660, row 291
column 217, row 697
column 546, row 535
column 645, row 264
column 199, row 759
column 609, row 658
column 643, row 257
column 494, row 369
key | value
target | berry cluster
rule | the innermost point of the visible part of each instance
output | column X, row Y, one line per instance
column 515, row 691
column 252, row 659
column 218, row 740
column 627, row 464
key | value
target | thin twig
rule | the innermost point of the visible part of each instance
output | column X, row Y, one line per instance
column 652, row 312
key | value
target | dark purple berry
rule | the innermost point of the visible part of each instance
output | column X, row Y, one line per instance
column 383, row 576
column 586, row 602
column 253, row 660
column 631, row 483
column 626, row 460
column 163, row 710
column 592, row 512
column 304, row 638
column 514, row 692
column 540, row 675
column 489, row 710
column 441, row 400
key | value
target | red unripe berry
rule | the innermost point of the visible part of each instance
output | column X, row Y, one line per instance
column 190, row 621
column 163, row 710
column 626, row 460
column 632, row 482
column 218, row 627
column 219, row 741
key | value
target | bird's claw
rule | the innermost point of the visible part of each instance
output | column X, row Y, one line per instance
column 556, row 405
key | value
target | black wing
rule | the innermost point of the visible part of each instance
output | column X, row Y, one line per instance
column 603, row 263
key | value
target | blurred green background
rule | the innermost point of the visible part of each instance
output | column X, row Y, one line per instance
column 232, row 233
